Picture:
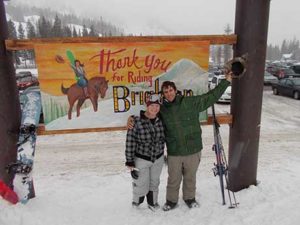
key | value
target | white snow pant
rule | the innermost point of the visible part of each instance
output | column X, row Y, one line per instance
column 149, row 178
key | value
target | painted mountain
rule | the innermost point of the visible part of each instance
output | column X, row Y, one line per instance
column 187, row 75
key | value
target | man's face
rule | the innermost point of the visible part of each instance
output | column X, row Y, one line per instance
column 169, row 93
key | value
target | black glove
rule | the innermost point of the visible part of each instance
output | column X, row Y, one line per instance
column 131, row 164
column 135, row 173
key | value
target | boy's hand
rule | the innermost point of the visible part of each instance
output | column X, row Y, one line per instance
column 130, row 122
column 130, row 168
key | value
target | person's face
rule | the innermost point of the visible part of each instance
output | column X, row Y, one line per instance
column 153, row 109
column 169, row 93
column 77, row 64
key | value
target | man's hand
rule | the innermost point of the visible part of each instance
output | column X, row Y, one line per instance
column 228, row 75
column 130, row 122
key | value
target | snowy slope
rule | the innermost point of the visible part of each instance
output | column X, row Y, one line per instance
column 80, row 179
column 33, row 19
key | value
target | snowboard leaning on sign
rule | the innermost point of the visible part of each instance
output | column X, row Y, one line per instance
column 30, row 100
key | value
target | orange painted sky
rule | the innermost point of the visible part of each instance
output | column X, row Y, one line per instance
column 52, row 74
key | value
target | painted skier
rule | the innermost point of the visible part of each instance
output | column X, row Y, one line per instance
column 80, row 74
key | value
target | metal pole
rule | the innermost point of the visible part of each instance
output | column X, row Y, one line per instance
column 10, row 113
column 251, row 28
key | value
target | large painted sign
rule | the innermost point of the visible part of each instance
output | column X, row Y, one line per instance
column 94, row 85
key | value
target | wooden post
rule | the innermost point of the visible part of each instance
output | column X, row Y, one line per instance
column 251, row 28
column 10, row 115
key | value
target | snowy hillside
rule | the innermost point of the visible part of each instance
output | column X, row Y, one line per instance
column 79, row 28
column 21, row 11
column 34, row 20
column 80, row 179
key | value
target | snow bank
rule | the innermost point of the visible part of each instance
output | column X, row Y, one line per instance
column 80, row 179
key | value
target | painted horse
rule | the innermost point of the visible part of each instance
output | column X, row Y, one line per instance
column 96, row 86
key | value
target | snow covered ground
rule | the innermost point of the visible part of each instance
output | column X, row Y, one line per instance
column 80, row 179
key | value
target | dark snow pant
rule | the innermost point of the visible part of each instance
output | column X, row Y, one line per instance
column 148, row 180
column 182, row 167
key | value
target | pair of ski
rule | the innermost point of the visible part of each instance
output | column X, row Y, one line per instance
column 221, row 165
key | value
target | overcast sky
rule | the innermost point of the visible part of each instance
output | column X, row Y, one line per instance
column 179, row 16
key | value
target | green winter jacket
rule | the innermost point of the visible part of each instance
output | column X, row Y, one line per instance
column 181, row 120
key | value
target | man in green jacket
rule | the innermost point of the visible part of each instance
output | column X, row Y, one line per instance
column 183, row 137
column 180, row 116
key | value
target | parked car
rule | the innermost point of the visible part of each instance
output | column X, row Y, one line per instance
column 275, row 68
column 287, row 86
column 296, row 68
column 285, row 73
column 269, row 78
column 25, row 79
column 226, row 97
column 210, row 77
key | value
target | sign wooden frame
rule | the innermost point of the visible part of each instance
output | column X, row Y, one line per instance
column 18, row 44
column 26, row 44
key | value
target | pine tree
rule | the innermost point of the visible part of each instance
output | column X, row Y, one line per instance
column 277, row 52
column 214, row 53
column 12, row 33
column 293, row 46
column 227, row 48
column 74, row 33
column 57, row 28
column 21, row 32
column 67, row 31
column 31, row 33
column 84, row 31
column 219, row 55
column 30, row 30
column 271, row 52
column 92, row 32
column 284, row 47
column 297, row 51
column 42, row 27
column 49, row 29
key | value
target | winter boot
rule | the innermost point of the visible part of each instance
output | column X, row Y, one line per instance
column 150, row 200
column 191, row 203
column 169, row 206
column 136, row 204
